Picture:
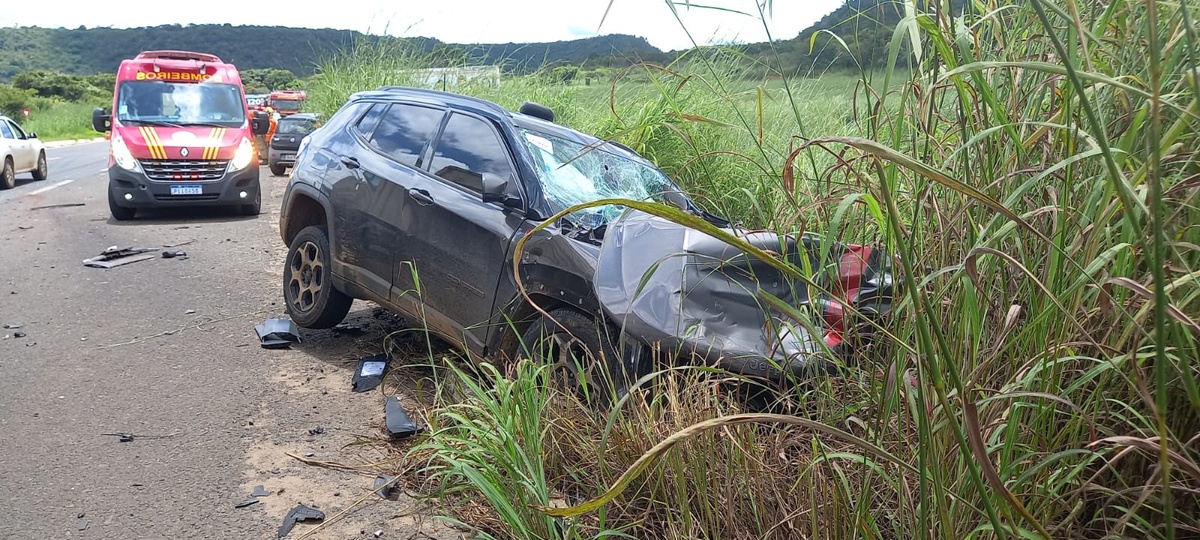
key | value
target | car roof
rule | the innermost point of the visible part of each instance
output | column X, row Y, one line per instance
column 488, row 108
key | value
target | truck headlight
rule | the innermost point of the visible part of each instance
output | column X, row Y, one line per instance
column 243, row 156
column 122, row 155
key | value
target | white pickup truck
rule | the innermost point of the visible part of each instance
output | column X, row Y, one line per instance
column 22, row 152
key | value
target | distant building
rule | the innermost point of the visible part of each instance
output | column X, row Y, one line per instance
column 449, row 78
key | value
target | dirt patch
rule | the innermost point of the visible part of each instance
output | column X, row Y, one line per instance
column 321, row 444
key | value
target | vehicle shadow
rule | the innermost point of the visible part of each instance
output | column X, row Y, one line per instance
column 169, row 216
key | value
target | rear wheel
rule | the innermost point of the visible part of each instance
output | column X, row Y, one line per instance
column 312, row 301
column 582, row 357
column 278, row 170
column 8, row 175
column 119, row 213
column 41, row 172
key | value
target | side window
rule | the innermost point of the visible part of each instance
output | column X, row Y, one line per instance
column 468, row 148
column 5, row 131
column 404, row 131
column 367, row 123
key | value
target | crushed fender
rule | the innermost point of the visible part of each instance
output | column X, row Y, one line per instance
column 687, row 292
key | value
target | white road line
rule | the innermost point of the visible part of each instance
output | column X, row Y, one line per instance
column 104, row 169
column 48, row 188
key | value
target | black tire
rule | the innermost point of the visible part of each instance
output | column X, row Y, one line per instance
column 278, row 170
column 566, row 338
column 308, row 291
column 42, row 172
column 8, row 175
column 119, row 213
column 255, row 207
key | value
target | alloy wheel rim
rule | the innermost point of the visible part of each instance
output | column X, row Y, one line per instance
column 306, row 277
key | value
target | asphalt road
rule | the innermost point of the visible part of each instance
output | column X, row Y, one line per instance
column 165, row 349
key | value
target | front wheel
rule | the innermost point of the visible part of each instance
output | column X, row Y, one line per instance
column 581, row 354
column 312, row 301
column 119, row 213
column 41, row 172
column 278, row 170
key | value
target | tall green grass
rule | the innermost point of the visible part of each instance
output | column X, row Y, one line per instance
column 61, row 120
column 1032, row 168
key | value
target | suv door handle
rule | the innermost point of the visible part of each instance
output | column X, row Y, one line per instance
column 350, row 162
column 421, row 196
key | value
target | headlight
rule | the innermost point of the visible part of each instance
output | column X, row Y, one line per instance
column 122, row 155
column 243, row 156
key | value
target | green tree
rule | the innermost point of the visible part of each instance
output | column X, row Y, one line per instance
column 53, row 84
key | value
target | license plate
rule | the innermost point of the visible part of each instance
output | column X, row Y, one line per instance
column 288, row 156
column 186, row 190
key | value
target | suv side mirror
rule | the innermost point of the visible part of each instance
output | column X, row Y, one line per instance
column 101, row 122
column 260, row 125
column 495, row 189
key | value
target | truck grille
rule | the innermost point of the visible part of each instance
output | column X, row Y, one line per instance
column 174, row 170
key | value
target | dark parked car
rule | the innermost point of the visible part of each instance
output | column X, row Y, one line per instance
column 283, row 145
column 416, row 199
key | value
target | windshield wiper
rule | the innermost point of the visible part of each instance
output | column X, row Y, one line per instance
column 143, row 122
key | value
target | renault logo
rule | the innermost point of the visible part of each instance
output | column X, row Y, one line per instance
column 183, row 152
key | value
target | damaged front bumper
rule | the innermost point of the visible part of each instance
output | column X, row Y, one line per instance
column 688, row 293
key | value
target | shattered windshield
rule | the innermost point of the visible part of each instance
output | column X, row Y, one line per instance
column 158, row 102
column 572, row 173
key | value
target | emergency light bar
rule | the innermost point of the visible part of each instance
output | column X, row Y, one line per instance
column 178, row 55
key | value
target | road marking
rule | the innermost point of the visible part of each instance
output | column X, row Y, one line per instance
column 48, row 188
column 104, row 169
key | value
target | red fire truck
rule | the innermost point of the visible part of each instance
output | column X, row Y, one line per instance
column 180, row 134
column 287, row 102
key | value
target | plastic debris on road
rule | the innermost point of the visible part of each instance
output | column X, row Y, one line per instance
column 370, row 372
column 277, row 333
column 399, row 424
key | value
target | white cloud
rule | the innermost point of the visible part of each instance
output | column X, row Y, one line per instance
column 453, row 21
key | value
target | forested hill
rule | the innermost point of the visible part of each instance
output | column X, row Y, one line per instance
column 864, row 25
column 87, row 51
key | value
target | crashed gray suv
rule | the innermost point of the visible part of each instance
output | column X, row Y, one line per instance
column 415, row 199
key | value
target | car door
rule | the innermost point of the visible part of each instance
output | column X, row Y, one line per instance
column 384, row 169
column 347, row 198
column 26, row 159
column 18, row 148
column 458, row 243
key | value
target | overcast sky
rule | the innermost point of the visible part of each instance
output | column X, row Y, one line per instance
column 452, row 21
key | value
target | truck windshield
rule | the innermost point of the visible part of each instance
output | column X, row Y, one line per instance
column 159, row 102
column 571, row 174
column 285, row 105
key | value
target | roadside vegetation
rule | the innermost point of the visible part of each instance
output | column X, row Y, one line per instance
column 1032, row 170
column 60, row 104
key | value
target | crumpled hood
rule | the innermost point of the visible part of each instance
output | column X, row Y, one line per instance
column 183, row 143
column 690, row 293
